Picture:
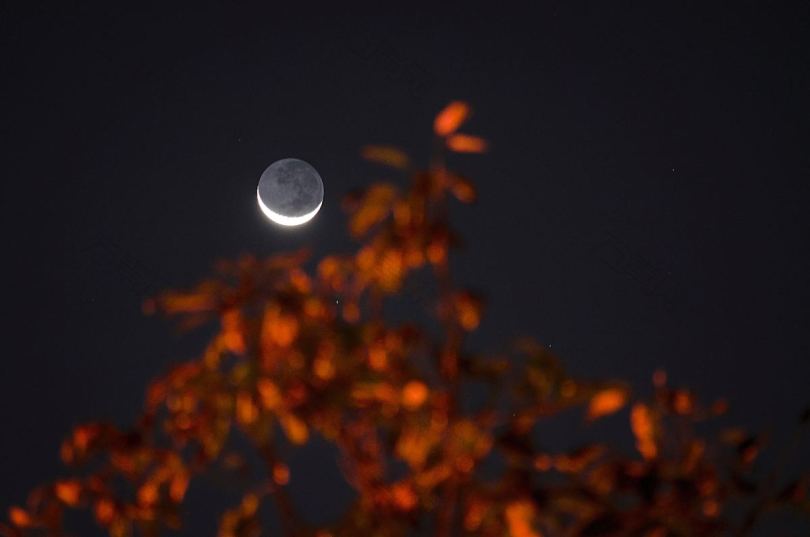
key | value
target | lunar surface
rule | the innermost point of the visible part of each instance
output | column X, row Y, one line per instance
column 290, row 192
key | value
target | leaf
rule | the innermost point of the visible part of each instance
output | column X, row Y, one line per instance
column 577, row 460
column 278, row 328
column 324, row 363
column 403, row 496
column 414, row 394
column 748, row 449
column 281, row 473
column 415, row 444
column 465, row 143
column 19, row 517
column 241, row 521
column 246, row 410
column 68, row 491
column 232, row 336
column 186, row 302
column 463, row 190
column 295, row 429
column 476, row 511
column 519, row 515
column 468, row 310
column 390, row 270
column 383, row 154
column 374, row 206
column 178, row 486
column 468, row 438
column 451, row 118
column 643, row 426
column 606, row 402
column 148, row 493
column 104, row 510
column 682, row 402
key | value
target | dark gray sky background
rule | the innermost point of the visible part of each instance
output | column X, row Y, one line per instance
column 643, row 205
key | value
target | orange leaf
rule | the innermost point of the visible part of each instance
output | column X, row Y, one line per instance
column 468, row 310
column 278, row 328
column 711, row 508
column 250, row 503
column 178, row 486
column 414, row 394
column 377, row 357
column 576, row 461
column 465, row 143
column 19, row 517
column 174, row 302
column 148, row 493
column 83, row 435
column 682, row 402
column 324, row 364
column 375, row 205
column 246, row 410
column 269, row 393
column 295, row 429
column 468, row 439
column 519, row 515
column 389, row 270
column 463, row 190
column 414, row 445
column 232, row 336
column 281, row 473
column 451, row 118
column 68, row 491
column 66, row 452
column 403, row 496
column 475, row 514
column 390, row 156
column 606, row 402
column 104, row 510
column 641, row 421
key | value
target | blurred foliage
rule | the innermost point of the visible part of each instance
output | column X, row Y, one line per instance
column 300, row 353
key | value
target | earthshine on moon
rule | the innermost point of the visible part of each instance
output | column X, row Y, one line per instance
column 290, row 192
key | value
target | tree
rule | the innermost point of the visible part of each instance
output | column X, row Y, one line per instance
column 298, row 353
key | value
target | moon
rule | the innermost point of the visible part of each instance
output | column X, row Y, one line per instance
column 290, row 192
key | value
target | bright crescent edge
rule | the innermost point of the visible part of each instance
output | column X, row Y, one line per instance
column 286, row 220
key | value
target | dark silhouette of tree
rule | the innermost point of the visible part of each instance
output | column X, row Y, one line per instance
column 298, row 353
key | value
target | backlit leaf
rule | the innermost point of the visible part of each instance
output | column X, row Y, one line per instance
column 465, row 143
column 295, row 428
column 281, row 473
column 519, row 519
column 390, row 156
column 104, row 509
column 68, row 491
column 375, row 205
column 19, row 517
column 451, row 118
column 643, row 426
column 606, row 402
column 463, row 190
column 403, row 496
column 414, row 394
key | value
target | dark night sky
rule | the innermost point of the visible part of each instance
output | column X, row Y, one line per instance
column 643, row 205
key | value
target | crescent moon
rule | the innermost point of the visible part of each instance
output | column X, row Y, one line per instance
column 286, row 220
column 290, row 192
